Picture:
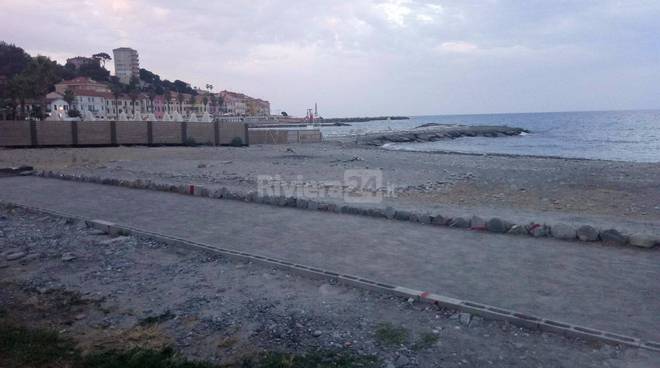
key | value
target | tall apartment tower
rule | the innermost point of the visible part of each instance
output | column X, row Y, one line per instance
column 127, row 64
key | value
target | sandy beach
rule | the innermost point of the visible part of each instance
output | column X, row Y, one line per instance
column 484, row 184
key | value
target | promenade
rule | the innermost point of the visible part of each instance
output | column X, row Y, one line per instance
column 608, row 288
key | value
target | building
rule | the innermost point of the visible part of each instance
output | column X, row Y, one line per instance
column 79, row 61
column 127, row 64
column 80, row 85
column 235, row 103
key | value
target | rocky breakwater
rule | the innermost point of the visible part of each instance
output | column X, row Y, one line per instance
column 434, row 132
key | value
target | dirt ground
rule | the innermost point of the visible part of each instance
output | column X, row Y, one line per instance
column 421, row 180
column 126, row 292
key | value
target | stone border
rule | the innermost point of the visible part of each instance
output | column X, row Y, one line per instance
column 479, row 309
column 559, row 231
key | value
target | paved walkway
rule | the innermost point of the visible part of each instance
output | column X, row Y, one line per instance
column 608, row 288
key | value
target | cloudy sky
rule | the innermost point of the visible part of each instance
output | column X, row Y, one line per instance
column 363, row 57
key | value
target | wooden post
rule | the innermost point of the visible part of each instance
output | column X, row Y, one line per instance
column 113, row 133
column 74, row 133
column 150, row 132
column 184, row 132
column 216, row 132
column 33, row 133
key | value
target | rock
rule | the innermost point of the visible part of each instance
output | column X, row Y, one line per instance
column 402, row 361
column 518, row 230
column 643, row 241
column 301, row 203
column 67, row 257
column 424, row 218
column 313, row 205
column 390, row 212
column 497, row 225
column 459, row 222
column 14, row 256
column 80, row 316
column 537, row 230
column 587, row 233
column 402, row 215
column 201, row 166
column 477, row 223
column 612, row 237
column 439, row 220
column 376, row 212
column 563, row 232
column 465, row 318
column 317, row 333
column 116, row 240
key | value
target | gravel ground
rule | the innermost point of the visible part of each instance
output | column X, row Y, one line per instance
column 109, row 292
column 480, row 184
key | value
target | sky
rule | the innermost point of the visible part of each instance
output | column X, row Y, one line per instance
column 364, row 57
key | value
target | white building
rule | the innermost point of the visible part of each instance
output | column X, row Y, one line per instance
column 127, row 64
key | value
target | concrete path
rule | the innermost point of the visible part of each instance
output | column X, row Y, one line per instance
column 608, row 288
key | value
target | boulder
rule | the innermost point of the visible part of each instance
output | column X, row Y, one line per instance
column 563, row 232
column 459, row 222
column 612, row 237
column 477, row 223
column 312, row 205
column 439, row 220
column 497, row 225
column 390, row 212
column 402, row 215
column 587, row 233
column 643, row 240
column 538, row 231
column 518, row 230
column 424, row 218
column 301, row 203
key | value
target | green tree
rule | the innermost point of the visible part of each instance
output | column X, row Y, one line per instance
column 180, row 98
column 117, row 90
column 13, row 59
column 102, row 57
column 69, row 97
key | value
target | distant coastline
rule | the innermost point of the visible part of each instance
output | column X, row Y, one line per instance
column 364, row 119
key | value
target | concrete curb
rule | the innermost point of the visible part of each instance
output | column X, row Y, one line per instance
column 561, row 231
column 479, row 309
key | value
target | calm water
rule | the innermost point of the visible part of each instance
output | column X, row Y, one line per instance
column 616, row 135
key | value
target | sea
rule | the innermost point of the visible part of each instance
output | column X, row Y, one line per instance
column 602, row 135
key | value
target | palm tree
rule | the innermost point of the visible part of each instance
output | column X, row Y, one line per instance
column 133, row 96
column 205, row 101
column 116, row 92
column 179, row 98
column 168, row 100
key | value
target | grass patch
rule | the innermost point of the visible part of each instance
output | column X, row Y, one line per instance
column 152, row 320
column 321, row 359
column 425, row 341
column 22, row 347
column 389, row 335
column 35, row 348
column 140, row 358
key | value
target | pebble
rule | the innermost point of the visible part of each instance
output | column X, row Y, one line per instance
column 118, row 239
column 564, row 232
column 67, row 257
column 613, row 237
column 15, row 256
column 642, row 241
column 317, row 333
column 587, row 233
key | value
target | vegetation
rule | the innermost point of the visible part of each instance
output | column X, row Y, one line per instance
column 22, row 347
column 389, row 335
column 425, row 341
column 25, row 79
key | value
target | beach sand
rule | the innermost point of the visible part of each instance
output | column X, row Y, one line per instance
column 482, row 184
